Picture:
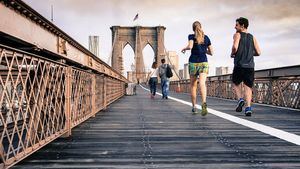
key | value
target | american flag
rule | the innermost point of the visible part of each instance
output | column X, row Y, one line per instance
column 136, row 17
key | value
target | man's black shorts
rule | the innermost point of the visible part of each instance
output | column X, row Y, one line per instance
column 245, row 75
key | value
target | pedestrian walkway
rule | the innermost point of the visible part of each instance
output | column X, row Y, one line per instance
column 138, row 132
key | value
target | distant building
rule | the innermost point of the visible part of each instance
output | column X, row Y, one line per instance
column 222, row 70
column 130, row 76
column 94, row 45
column 181, row 74
column 186, row 71
column 174, row 61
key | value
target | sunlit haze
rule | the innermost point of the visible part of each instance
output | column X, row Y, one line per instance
column 274, row 23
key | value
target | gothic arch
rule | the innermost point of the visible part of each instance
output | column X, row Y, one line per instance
column 137, row 37
column 150, row 44
column 128, row 43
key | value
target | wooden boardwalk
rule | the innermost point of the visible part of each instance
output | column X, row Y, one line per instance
column 137, row 132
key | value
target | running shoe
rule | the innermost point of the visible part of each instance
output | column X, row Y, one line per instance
column 204, row 109
column 248, row 111
column 194, row 110
column 240, row 105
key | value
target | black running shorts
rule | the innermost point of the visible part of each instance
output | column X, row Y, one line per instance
column 245, row 75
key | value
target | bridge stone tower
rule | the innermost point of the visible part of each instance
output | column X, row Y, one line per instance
column 137, row 37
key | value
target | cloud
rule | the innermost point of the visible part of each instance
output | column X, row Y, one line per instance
column 275, row 23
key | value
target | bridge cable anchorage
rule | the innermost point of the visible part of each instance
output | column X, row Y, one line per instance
column 254, row 162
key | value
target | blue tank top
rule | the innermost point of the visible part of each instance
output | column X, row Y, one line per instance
column 198, row 53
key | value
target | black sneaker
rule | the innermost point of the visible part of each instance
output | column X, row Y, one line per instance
column 248, row 111
column 166, row 97
column 240, row 105
column 194, row 110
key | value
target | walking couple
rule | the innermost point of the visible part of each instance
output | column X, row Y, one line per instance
column 162, row 72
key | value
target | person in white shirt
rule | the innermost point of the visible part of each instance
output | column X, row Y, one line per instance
column 153, row 79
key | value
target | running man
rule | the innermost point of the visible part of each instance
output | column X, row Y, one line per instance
column 244, row 47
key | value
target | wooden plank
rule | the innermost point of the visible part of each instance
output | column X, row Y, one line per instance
column 137, row 132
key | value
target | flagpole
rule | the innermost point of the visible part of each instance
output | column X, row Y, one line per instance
column 135, row 19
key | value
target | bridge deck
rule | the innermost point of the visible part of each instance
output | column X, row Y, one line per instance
column 137, row 132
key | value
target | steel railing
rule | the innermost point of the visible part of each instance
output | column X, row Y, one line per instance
column 42, row 100
column 278, row 86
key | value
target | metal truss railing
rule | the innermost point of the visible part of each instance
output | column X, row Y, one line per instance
column 42, row 100
column 279, row 87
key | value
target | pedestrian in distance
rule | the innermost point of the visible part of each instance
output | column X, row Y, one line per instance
column 152, row 79
column 244, row 48
column 200, row 45
column 164, row 79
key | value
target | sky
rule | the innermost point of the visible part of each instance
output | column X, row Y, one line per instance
column 274, row 23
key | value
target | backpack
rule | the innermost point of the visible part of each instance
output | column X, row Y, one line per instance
column 169, row 72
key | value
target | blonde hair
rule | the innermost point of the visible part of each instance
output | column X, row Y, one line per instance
column 199, row 34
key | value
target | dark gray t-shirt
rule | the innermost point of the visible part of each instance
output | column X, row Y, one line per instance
column 162, row 71
column 244, row 55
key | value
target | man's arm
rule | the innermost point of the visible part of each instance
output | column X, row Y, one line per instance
column 160, row 71
column 257, row 51
column 236, row 41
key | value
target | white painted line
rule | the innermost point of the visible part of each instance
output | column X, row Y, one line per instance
column 290, row 137
column 261, row 104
